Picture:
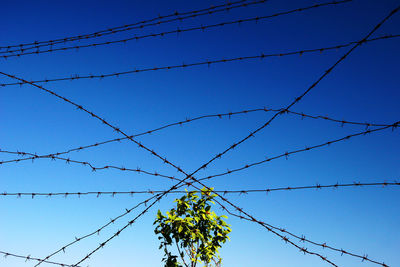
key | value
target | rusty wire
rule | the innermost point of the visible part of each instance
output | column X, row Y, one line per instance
column 224, row 192
column 202, row 63
column 144, row 23
column 179, row 31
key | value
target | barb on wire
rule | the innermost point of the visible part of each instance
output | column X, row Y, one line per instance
column 202, row 63
column 29, row 258
column 84, row 163
column 219, row 155
column 97, row 231
column 252, row 134
column 239, row 192
column 179, row 31
column 342, row 122
column 308, row 148
column 144, row 23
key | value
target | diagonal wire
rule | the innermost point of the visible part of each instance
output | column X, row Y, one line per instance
column 308, row 148
column 225, row 151
column 252, row 134
column 28, row 258
column 342, row 122
column 157, row 174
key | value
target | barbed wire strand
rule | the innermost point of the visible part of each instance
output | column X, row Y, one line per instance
column 86, row 163
column 287, row 154
column 222, row 191
column 113, row 30
column 179, row 31
column 29, row 257
column 252, row 134
column 157, row 174
column 97, row 231
column 202, row 63
column 317, row 186
column 342, row 122
column 225, row 151
column 138, row 25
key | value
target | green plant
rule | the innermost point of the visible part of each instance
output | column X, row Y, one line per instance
column 197, row 231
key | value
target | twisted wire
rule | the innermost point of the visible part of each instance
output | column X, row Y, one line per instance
column 219, row 155
column 97, row 231
column 224, row 192
column 202, row 63
column 179, row 31
column 308, row 148
column 205, row 11
column 342, row 122
column 84, row 163
column 252, row 134
column 28, row 258
column 157, row 174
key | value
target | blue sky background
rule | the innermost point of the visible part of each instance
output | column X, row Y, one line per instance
column 363, row 88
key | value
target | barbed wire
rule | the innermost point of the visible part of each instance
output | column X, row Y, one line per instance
column 138, row 25
column 84, row 163
column 29, row 258
column 187, row 120
column 224, row 192
column 302, row 238
column 246, row 138
column 179, row 31
column 157, row 174
column 287, row 154
column 285, row 239
column 113, row 30
column 202, row 63
column 97, row 231
column 219, row 155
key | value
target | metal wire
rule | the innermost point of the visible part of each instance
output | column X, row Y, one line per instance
column 53, row 156
column 224, row 192
column 243, row 140
column 202, row 63
column 144, row 23
column 203, row 166
column 287, row 154
column 29, row 258
column 178, row 30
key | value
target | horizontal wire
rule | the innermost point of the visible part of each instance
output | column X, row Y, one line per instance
column 202, row 63
column 224, row 191
column 246, row 138
column 84, row 163
column 219, row 155
column 157, row 174
column 187, row 120
column 308, row 148
column 28, row 258
column 178, row 30
column 116, row 234
column 240, row 192
column 113, row 30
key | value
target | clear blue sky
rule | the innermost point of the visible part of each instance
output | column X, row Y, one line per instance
column 364, row 87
